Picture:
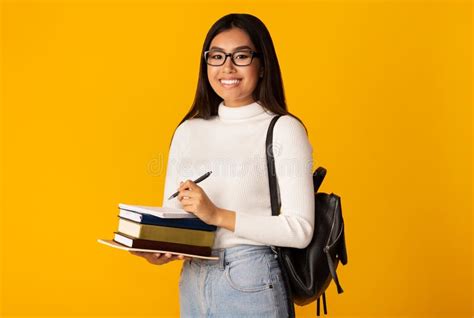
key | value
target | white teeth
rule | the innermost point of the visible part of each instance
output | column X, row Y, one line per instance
column 230, row 82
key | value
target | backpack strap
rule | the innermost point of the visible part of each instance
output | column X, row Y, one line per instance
column 318, row 178
column 274, row 197
column 272, row 180
column 275, row 202
column 329, row 245
column 332, row 269
column 324, row 305
column 318, row 175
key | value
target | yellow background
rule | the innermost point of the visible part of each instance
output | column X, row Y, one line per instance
column 91, row 94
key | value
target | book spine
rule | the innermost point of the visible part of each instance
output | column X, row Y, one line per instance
column 196, row 224
column 178, row 223
column 166, row 234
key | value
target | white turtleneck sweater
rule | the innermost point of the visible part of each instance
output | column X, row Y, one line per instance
column 232, row 146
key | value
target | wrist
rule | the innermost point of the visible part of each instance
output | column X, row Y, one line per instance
column 225, row 218
column 218, row 217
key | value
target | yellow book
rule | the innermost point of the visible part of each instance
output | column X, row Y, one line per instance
column 166, row 234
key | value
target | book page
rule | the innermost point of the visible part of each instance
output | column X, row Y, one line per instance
column 163, row 212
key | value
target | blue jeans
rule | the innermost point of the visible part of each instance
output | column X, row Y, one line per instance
column 246, row 281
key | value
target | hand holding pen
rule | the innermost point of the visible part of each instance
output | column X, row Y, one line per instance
column 201, row 178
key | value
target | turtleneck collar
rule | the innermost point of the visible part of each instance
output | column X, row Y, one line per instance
column 240, row 112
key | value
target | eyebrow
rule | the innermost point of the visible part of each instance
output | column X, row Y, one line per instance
column 235, row 49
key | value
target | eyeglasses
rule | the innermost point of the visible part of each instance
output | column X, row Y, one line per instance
column 239, row 58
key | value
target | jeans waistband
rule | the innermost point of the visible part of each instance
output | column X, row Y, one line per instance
column 233, row 253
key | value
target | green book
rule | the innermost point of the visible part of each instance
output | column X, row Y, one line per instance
column 166, row 234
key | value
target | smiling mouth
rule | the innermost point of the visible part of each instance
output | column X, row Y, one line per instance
column 229, row 83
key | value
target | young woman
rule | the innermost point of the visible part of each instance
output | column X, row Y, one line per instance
column 239, row 91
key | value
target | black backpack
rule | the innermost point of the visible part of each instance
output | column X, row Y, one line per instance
column 308, row 272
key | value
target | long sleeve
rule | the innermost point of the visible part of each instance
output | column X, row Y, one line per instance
column 179, row 140
column 293, row 162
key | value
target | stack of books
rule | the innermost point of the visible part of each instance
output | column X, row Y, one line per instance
column 164, row 229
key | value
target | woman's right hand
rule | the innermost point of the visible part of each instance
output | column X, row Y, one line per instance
column 159, row 258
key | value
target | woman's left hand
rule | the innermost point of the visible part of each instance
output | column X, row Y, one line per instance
column 195, row 200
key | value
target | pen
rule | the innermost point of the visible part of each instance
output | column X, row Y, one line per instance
column 204, row 176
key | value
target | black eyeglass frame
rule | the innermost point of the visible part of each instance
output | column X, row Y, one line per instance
column 253, row 54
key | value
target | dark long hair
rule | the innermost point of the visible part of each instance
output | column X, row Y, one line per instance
column 269, row 91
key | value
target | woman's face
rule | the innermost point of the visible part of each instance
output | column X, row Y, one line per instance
column 234, row 84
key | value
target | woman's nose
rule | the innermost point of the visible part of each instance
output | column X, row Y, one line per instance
column 228, row 66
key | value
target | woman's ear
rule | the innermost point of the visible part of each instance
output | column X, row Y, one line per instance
column 261, row 72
